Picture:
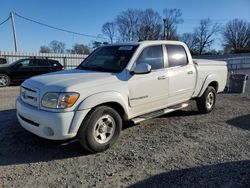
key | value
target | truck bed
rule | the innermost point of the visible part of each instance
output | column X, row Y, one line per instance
column 208, row 69
column 205, row 62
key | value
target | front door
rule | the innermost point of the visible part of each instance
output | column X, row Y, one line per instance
column 148, row 92
column 22, row 70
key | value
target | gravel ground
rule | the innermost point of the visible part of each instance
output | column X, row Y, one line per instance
column 181, row 149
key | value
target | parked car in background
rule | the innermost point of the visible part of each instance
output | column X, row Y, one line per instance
column 3, row 60
column 22, row 69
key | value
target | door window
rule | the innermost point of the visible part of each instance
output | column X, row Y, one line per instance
column 153, row 56
column 42, row 63
column 33, row 63
column 176, row 55
column 24, row 63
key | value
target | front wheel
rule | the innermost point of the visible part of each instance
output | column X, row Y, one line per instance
column 206, row 102
column 100, row 129
column 4, row 80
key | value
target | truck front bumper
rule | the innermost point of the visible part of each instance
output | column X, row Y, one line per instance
column 49, row 125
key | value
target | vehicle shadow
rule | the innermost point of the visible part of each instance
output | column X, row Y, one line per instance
column 230, row 174
column 18, row 146
column 182, row 113
column 178, row 113
column 242, row 122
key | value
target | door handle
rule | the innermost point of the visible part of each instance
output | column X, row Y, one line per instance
column 162, row 77
column 190, row 72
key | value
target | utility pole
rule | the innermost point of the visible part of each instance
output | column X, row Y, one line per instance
column 14, row 30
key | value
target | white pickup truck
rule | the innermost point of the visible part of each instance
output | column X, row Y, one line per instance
column 114, row 84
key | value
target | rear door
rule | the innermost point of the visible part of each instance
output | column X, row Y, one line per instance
column 181, row 74
column 42, row 66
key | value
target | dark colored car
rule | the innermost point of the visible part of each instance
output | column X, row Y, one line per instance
column 23, row 69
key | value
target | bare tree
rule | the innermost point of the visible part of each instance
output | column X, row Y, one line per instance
column 109, row 29
column 236, row 34
column 128, row 24
column 204, row 34
column 149, row 25
column 172, row 17
column 80, row 49
column 57, row 46
column 96, row 44
column 44, row 49
column 190, row 40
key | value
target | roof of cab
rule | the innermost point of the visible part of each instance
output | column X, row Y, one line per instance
column 148, row 42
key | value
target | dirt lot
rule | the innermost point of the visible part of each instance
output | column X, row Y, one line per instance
column 182, row 149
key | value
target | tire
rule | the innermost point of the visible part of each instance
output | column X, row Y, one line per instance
column 206, row 102
column 100, row 129
column 4, row 80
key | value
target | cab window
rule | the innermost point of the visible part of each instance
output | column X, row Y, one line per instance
column 153, row 56
column 176, row 55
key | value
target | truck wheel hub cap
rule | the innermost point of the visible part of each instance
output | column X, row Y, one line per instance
column 210, row 100
column 104, row 129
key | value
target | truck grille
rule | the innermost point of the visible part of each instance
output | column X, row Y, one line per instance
column 30, row 96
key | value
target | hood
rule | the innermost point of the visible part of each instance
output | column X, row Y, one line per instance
column 70, row 80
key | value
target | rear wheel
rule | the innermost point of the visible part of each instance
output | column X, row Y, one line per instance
column 100, row 129
column 206, row 102
column 4, row 80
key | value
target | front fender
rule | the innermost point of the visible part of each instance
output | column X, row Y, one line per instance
column 104, row 97
column 210, row 78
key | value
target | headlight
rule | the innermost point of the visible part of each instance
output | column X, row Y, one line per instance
column 59, row 100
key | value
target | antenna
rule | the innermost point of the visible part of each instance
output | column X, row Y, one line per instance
column 14, row 30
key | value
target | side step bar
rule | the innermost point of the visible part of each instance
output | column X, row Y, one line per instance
column 157, row 113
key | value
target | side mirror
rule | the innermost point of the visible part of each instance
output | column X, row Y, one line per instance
column 142, row 68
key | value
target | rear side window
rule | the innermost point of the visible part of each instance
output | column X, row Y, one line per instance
column 153, row 56
column 176, row 55
column 42, row 63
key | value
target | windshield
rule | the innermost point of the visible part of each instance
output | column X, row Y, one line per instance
column 109, row 58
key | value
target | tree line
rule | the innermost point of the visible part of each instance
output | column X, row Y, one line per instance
column 60, row 47
column 138, row 25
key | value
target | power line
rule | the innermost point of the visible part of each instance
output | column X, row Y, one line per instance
column 57, row 28
column 4, row 21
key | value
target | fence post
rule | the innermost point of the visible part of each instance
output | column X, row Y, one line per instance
column 65, row 63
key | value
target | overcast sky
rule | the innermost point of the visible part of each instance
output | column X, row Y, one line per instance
column 88, row 17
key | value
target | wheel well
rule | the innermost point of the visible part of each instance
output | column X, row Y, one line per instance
column 7, row 75
column 117, row 107
column 214, row 84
